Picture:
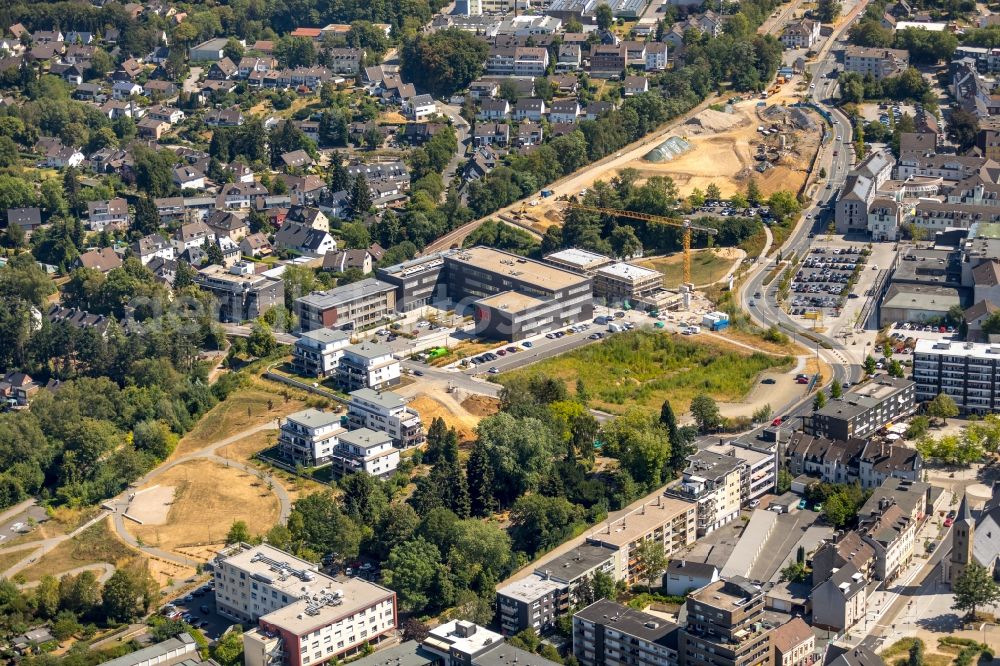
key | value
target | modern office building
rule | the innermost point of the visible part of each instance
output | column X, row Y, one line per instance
column 667, row 520
column 317, row 353
column 303, row 616
column 540, row 599
column 357, row 305
column 726, row 626
column 368, row 365
column 968, row 372
column 863, row 410
column 309, row 437
column 417, row 281
column 387, row 412
column 241, row 294
column 714, row 482
column 623, row 282
column 606, row 633
column 512, row 297
column 365, row 450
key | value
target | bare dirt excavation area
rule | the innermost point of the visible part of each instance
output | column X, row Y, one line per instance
column 727, row 148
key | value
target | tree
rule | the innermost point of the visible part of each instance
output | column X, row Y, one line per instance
column 128, row 594
column 361, row 196
column 974, row 588
column 651, row 560
column 625, row 243
column 705, row 412
column 414, row 630
column 261, row 342
column 963, row 126
column 870, row 365
column 895, row 369
column 942, row 407
column 604, row 16
column 916, row 655
column 47, row 597
column 827, row 11
column 228, row 650
column 444, row 61
column 836, row 390
column 238, row 533
column 918, row 427
column 819, row 401
column 784, row 482
column 754, row 195
column 411, row 570
column 363, row 498
column 712, row 192
column 214, row 253
column 795, row 572
column 539, row 523
column 318, row 522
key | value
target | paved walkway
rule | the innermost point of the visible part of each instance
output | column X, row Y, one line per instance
column 39, row 548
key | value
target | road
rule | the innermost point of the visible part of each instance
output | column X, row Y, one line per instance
column 462, row 131
column 190, row 84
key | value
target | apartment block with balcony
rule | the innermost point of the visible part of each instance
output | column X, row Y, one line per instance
column 760, row 474
column 714, row 482
column 353, row 306
column 317, row 353
column 726, row 626
column 863, row 410
column 606, row 633
column 309, row 437
column 365, row 450
column 540, row 599
column 303, row 617
column 387, row 412
column 668, row 520
column 967, row 372
column 368, row 365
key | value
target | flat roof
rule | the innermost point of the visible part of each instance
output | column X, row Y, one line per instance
column 533, row 272
column 314, row 418
column 640, row 521
column 725, row 594
column 583, row 259
column 366, row 438
column 511, row 301
column 369, row 350
column 531, row 588
column 308, row 614
column 347, row 293
column 711, row 465
column 156, row 653
column 505, row 654
column 979, row 350
column 577, row 562
column 405, row 654
column 447, row 635
column 326, row 335
column 938, row 299
column 881, row 388
column 387, row 399
column 627, row 620
column 629, row 272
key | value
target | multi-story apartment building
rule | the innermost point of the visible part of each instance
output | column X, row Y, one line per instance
column 801, row 34
column 869, row 463
column 540, row 599
column 859, row 190
column 353, row 306
column 625, row 282
column 460, row 643
column 387, row 412
column 726, row 626
column 416, row 281
column 317, row 353
column 880, row 63
column 890, row 533
column 365, row 450
column 606, row 633
column 760, row 474
column 607, row 60
column 242, row 295
column 308, row 438
column 667, row 520
column 303, row 616
column 714, row 482
column 368, row 365
column 840, row 600
column 967, row 372
column 863, row 410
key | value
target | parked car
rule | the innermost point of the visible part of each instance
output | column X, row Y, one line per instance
column 754, row 503
column 494, row 370
column 527, row 344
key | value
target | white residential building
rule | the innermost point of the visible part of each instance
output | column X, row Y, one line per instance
column 317, row 353
column 368, row 366
column 365, row 450
column 385, row 411
column 309, row 437
column 714, row 482
column 303, row 617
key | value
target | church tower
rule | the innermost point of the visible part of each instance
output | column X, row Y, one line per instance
column 962, row 537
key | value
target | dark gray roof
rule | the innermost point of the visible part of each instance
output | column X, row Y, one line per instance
column 575, row 563
column 629, row 621
column 689, row 568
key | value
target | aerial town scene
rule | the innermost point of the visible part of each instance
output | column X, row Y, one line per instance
column 496, row 332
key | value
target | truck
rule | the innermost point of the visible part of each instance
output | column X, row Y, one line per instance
column 614, row 328
column 546, row 193
column 715, row 321
column 692, row 330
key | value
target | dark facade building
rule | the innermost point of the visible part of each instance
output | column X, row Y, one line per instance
column 606, row 633
column 416, row 281
column 725, row 626
column 863, row 410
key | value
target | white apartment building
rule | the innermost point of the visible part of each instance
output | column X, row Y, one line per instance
column 714, row 482
column 965, row 371
column 368, row 365
column 387, row 412
column 303, row 617
column 317, row 353
column 760, row 474
column 458, row 643
column 309, row 437
column 365, row 450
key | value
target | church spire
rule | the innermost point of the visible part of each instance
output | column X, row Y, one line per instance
column 964, row 514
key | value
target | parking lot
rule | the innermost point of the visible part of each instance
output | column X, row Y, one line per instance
column 820, row 286
column 198, row 610
column 724, row 208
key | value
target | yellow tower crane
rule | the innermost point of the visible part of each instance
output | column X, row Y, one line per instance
column 658, row 219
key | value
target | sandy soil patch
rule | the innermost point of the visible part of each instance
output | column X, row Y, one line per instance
column 167, row 573
column 481, row 405
column 209, row 498
column 151, row 506
column 448, row 408
column 777, row 395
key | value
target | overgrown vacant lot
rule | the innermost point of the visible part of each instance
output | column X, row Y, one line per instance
column 707, row 266
column 98, row 543
column 643, row 369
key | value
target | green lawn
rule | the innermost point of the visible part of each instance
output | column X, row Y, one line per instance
column 643, row 368
column 706, row 267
